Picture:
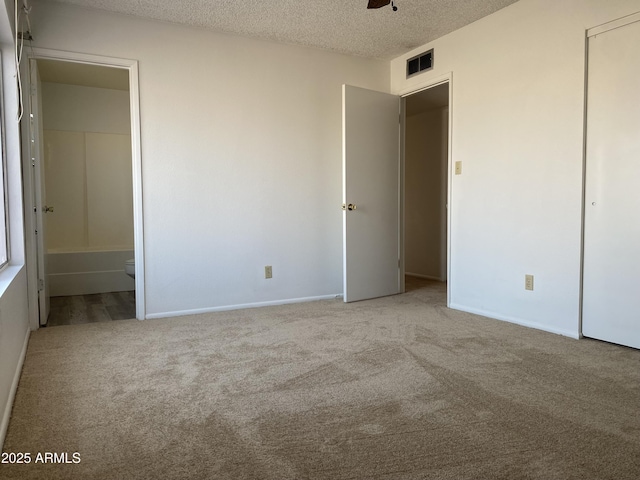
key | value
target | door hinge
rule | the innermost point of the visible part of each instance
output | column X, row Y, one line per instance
column 40, row 284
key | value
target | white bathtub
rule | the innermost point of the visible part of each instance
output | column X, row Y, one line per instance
column 87, row 271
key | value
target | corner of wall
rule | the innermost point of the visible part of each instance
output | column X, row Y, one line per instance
column 14, row 337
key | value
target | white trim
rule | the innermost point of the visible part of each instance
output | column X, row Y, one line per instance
column 583, row 198
column 343, row 112
column 226, row 308
column 7, row 276
column 138, row 220
column 4, row 184
column 12, row 393
column 28, row 200
column 434, row 82
column 620, row 22
column 517, row 321
column 136, row 154
column 449, row 189
column 401, row 192
column 76, row 57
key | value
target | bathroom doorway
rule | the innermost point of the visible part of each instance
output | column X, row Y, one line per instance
column 88, row 190
column 85, row 188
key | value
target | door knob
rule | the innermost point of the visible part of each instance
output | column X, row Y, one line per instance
column 349, row 207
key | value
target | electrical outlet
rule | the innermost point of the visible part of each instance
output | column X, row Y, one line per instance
column 268, row 272
column 458, row 168
column 528, row 282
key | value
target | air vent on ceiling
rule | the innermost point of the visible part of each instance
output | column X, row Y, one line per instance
column 420, row 63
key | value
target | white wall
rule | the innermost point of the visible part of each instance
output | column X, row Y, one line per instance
column 77, row 108
column 425, row 184
column 88, row 176
column 518, row 110
column 14, row 320
column 241, row 156
column 89, row 185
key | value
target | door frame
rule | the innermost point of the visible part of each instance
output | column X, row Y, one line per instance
column 434, row 82
column 136, row 160
column 33, row 147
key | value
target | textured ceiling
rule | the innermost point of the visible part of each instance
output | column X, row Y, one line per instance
column 344, row 26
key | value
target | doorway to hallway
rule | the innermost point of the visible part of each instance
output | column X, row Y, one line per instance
column 426, row 160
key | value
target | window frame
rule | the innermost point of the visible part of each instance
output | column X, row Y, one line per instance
column 5, row 250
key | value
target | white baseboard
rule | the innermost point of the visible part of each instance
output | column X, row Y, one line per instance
column 225, row 308
column 12, row 393
column 517, row 321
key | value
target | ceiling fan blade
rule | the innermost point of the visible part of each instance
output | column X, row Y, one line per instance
column 378, row 3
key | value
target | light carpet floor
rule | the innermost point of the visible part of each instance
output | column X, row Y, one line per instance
column 394, row 388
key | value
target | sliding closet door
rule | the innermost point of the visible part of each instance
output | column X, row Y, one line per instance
column 611, row 289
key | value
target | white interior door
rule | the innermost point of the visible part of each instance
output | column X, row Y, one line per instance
column 371, row 193
column 611, row 299
column 36, row 152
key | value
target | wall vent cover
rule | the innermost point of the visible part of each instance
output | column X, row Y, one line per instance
column 420, row 63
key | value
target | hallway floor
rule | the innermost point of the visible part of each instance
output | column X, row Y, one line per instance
column 99, row 307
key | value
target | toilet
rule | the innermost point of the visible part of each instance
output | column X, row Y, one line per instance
column 130, row 267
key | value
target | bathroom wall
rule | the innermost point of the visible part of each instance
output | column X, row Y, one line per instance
column 87, row 167
column 425, row 194
column 88, row 182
